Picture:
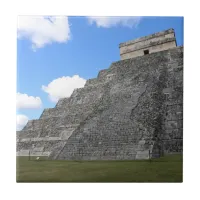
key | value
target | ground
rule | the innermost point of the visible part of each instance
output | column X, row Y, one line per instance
column 165, row 169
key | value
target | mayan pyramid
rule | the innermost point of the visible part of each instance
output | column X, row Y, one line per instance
column 133, row 108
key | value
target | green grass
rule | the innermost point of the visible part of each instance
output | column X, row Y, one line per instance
column 165, row 169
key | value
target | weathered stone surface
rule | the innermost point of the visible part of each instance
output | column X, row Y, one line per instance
column 133, row 111
column 133, row 108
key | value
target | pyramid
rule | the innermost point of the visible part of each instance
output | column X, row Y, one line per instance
column 132, row 110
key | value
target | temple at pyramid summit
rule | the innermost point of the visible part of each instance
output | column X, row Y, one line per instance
column 131, row 110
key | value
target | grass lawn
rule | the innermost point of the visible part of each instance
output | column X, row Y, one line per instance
column 165, row 169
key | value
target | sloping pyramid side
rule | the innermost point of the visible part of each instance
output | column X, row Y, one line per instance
column 139, row 111
column 131, row 108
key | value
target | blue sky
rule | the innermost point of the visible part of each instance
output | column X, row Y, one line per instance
column 51, row 51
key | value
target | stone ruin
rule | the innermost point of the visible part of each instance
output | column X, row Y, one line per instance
column 132, row 110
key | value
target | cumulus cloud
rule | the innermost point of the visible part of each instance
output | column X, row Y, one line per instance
column 107, row 22
column 63, row 87
column 43, row 30
column 21, row 121
column 28, row 102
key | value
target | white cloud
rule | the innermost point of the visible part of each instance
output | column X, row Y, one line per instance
column 21, row 121
column 43, row 30
column 25, row 102
column 63, row 87
column 107, row 22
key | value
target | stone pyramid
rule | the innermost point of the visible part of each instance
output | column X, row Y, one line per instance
column 132, row 110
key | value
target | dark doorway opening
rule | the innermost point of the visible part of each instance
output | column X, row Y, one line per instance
column 146, row 52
